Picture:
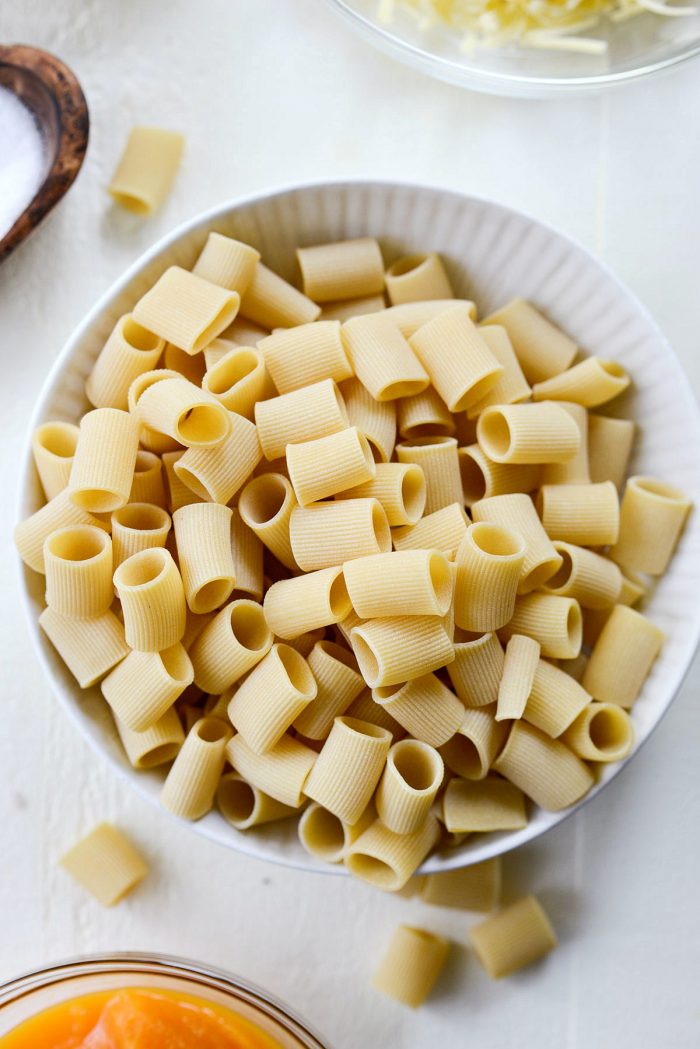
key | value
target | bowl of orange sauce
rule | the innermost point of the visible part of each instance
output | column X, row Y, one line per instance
column 138, row 1001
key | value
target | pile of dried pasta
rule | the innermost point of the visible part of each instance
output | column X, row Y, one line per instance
column 257, row 544
column 549, row 24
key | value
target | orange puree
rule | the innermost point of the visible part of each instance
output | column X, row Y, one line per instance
column 136, row 1018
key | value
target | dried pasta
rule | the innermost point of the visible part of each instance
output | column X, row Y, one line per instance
column 554, row 622
column 400, row 648
column 477, row 669
column 129, row 351
column 331, row 464
column 376, row 420
column 349, row 768
column 517, row 512
column 148, row 485
column 301, row 356
column 338, row 683
column 439, row 461
column 417, row 278
column 405, row 582
column 265, row 505
column 143, row 687
column 230, row 645
column 244, row 806
column 203, row 537
column 542, row 349
column 588, row 515
column 521, row 661
column 238, row 380
column 592, row 382
column 104, row 460
column 296, row 606
column 227, row 262
column 53, row 448
column 179, row 409
column 327, row 534
column 90, row 648
column 411, row 965
column 424, row 707
column 517, row 936
column 301, row 415
column 622, row 657
column 382, row 359
column 511, row 386
column 652, row 516
column 398, row 487
column 78, row 563
column 489, row 562
column 386, row 859
column 271, row 302
column 281, row 772
column 105, row 863
column 186, row 310
column 458, row 361
column 190, row 786
column 424, row 415
column 474, row 888
column 528, row 433
column 272, row 696
column 157, row 745
column 556, row 699
column 150, row 589
column 411, row 779
column 136, row 527
column 348, row 269
column 471, row 751
column 609, row 448
column 594, row 581
column 147, row 169
column 443, row 530
column 543, row 768
column 492, row 804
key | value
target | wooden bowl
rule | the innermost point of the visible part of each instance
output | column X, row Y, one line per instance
column 51, row 91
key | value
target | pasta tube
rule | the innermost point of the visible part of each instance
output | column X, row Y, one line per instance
column 338, row 683
column 106, row 864
column 576, row 470
column 244, row 806
column 281, row 773
column 475, row 888
column 178, row 408
column 302, row 415
column 652, row 517
column 554, row 622
column 265, row 505
column 153, row 600
column 179, row 494
column 375, row 419
column 592, row 580
column 272, row 302
column 190, row 786
column 609, row 448
column 482, row 478
column 528, row 433
column 417, row 278
column 517, row 936
column 146, row 169
column 191, row 368
column 326, row 837
column 411, row 965
column 90, row 648
column 400, row 648
column 622, row 657
column 439, row 460
column 443, row 530
column 327, row 534
column 78, row 562
column 157, row 745
column 542, row 349
column 297, row 357
column 555, row 701
column 458, row 361
column 400, row 489
column 488, row 563
column 490, row 805
column 104, row 460
column 424, row 707
column 521, row 661
column 227, row 262
column 203, row 537
column 382, row 359
column 146, row 684
column 602, row 732
column 238, row 380
column 424, row 415
column 588, row 515
column 275, row 692
column 471, row 751
column 511, row 387
column 148, row 485
column 343, row 309
column 247, row 555
column 129, row 351
column 186, row 310
column 136, row 527
column 543, row 768
column 517, row 513
column 590, row 383
column 53, row 448
column 476, row 670
column 218, row 473
column 326, row 465
column 364, row 708
column 235, row 640
column 306, row 602
column 406, row 582
column 386, row 859
column 348, row 269
column 410, row 316
column 412, row 777
column 348, row 768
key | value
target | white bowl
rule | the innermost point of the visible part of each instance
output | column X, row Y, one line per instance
column 492, row 254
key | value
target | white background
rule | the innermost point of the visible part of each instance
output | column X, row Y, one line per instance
column 268, row 92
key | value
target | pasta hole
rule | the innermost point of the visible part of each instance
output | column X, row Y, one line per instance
column 222, row 320
column 78, row 544
column 364, row 728
column 496, row 541
column 248, row 625
column 145, row 462
column 339, row 653
column 139, row 338
column 373, row 870
column 385, row 693
column 613, row 368
column 377, row 453
column 541, row 573
column 338, row 598
column 236, row 799
column 473, row 479
column 142, row 568
column 494, row 434
column 367, row 660
column 413, row 493
column 59, row 439
column 654, row 487
column 138, row 205
column 563, row 574
column 366, row 450
column 191, row 481
column 323, row 834
column 405, row 388
column 158, row 756
column 211, row 730
column 429, row 441
column 574, row 626
column 203, row 424
column 406, row 265
column 177, row 663
column 212, row 594
column 381, row 528
column 263, row 499
column 300, row 677
column 609, row 729
column 462, row 756
column 142, row 517
column 97, row 500
column 419, row 766
column 441, row 578
column 229, row 371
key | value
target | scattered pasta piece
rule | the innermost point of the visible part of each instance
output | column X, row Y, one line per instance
column 517, row 936
column 106, row 864
column 411, row 965
column 147, row 169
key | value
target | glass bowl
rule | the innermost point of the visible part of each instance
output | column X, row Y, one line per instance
column 642, row 45
column 28, row 995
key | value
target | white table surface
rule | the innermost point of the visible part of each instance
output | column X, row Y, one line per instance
column 273, row 91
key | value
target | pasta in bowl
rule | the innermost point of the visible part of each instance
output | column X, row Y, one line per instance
column 351, row 532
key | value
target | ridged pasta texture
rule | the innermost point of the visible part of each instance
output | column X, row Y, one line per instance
column 379, row 558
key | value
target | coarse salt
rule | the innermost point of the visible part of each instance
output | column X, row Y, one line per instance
column 22, row 161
